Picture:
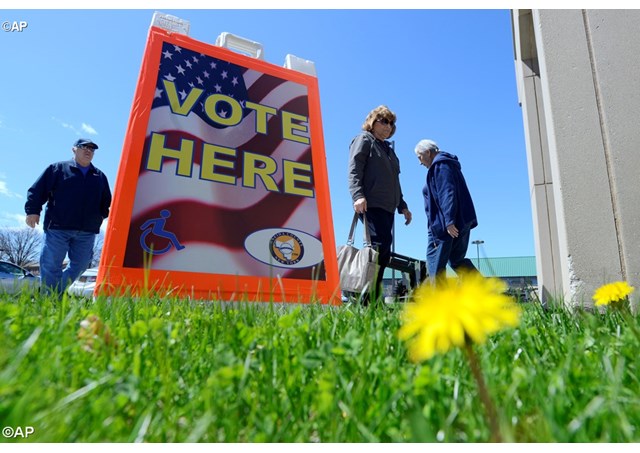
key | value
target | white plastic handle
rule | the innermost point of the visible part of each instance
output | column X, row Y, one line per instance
column 240, row 45
column 170, row 23
column 300, row 65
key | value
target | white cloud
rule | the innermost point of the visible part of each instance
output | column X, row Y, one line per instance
column 4, row 191
column 6, row 126
column 88, row 129
column 66, row 125
column 16, row 221
column 84, row 127
column 17, row 217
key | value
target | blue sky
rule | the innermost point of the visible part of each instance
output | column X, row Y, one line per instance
column 447, row 74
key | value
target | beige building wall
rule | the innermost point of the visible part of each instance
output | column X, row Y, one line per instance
column 578, row 74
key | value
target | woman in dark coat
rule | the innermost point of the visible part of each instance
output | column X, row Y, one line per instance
column 374, row 184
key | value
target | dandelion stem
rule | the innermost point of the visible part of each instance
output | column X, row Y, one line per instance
column 492, row 414
column 629, row 319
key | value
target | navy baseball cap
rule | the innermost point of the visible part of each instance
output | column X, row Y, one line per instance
column 85, row 142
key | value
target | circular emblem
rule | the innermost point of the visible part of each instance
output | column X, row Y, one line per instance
column 286, row 248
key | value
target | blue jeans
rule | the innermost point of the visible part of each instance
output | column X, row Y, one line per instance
column 451, row 251
column 57, row 244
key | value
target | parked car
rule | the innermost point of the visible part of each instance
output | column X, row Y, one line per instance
column 85, row 284
column 14, row 278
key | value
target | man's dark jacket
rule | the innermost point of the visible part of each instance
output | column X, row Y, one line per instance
column 75, row 201
column 446, row 197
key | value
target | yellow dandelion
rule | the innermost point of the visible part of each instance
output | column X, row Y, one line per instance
column 471, row 307
column 612, row 292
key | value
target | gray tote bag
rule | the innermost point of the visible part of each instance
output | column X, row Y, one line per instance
column 358, row 267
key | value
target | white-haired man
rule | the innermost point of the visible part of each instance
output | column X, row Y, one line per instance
column 450, row 211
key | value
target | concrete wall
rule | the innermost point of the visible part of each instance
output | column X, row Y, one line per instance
column 579, row 89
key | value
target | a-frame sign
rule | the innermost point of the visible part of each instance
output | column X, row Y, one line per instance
column 222, row 190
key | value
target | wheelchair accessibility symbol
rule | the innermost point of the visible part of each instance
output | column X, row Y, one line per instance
column 156, row 226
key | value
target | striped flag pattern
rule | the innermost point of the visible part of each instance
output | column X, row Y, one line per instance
column 211, row 220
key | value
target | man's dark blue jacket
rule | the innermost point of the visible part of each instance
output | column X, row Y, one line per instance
column 75, row 201
column 446, row 197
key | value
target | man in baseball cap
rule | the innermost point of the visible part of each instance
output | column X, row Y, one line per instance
column 78, row 199
column 85, row 142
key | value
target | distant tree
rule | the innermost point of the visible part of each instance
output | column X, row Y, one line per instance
column 20, row 246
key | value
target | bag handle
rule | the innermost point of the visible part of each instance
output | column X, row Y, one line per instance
column 366, row 237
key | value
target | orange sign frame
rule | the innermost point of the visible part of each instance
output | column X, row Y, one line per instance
column 269, row 265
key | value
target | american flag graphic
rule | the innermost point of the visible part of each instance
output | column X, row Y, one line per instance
column 211, row 220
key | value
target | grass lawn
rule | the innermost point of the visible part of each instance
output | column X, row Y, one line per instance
column 183, row 371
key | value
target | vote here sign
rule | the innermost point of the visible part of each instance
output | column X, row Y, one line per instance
column 222, row 190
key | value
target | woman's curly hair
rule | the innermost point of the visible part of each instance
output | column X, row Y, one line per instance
column 379, row 113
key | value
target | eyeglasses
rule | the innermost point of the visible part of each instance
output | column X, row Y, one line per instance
column 87, row 148
column 386, row 121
